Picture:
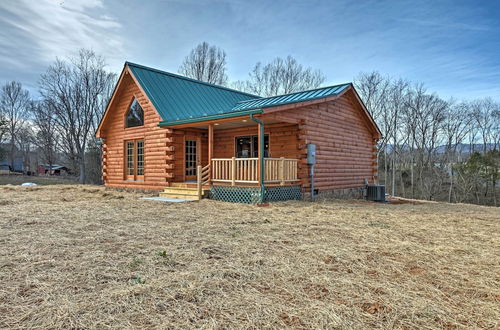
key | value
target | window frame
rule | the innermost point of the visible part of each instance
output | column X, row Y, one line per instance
column 252, row 151
column 135, row 174
column 134, row 98
column 191, row 137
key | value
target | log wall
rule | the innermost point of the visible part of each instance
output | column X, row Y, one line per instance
column 157, row 142
column 346, row 149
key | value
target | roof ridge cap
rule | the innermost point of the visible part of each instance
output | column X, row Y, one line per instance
column 304, row 91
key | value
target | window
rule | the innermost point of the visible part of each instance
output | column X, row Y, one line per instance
column 135, row 115
column 134, row 160
column 248, row 146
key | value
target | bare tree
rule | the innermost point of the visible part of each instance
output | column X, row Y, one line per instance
column 373, row 89
column 281, row 76
column 14, row 103
column 46, row 135
column 455, row 129
column 94, row 151
column 468, row 178
column 484, row 114
column 206, row 63
column 25, row 141
column 429, row 111
column 73, row 90
column 397, row 97
column 496, row 127
column 3, row 127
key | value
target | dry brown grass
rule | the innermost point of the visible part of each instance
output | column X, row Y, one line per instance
column 17, row 179
column 88, row 257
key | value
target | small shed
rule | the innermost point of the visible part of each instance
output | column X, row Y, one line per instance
column 55, row 169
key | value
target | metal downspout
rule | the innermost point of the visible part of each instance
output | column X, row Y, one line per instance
column 261, row 157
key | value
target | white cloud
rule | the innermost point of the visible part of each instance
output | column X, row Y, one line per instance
column 36, row 32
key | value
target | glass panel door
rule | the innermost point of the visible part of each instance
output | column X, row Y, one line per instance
column 191, row 159
column 129, row 173
column 134, row 160
column 140, row 160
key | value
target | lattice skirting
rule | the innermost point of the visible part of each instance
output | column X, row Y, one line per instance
column 283, row 193
column 250, row 195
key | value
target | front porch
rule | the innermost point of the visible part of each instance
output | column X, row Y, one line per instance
column 237, row 180
column 264, row 163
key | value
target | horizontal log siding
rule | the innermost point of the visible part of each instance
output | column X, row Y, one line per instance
column 346, row 153
column 283, row 140
column 156, row 141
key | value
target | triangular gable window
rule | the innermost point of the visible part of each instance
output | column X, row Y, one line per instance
column 135, row 115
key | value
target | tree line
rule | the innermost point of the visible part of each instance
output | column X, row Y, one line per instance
column 59, row 126
column 431, row 148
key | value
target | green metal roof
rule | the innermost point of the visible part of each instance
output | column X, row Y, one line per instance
column 290, row 98
column 180, row 98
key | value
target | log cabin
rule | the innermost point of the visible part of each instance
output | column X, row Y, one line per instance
column 193, row 139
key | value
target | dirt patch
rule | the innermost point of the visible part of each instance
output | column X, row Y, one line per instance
column 400, row 200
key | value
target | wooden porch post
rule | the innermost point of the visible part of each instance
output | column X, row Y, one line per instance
column 199, row 181
column 282, row 170
column 233, row 171
column 210, row 149
column 260, row 154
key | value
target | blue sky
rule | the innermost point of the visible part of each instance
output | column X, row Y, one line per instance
column 453, row 47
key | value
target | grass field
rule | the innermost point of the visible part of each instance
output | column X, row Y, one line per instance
column 88, row 257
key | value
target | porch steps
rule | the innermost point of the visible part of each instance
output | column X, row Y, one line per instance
column 183, row 193
column 183, row 185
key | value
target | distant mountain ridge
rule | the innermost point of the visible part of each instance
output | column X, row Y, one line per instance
column 464, row 148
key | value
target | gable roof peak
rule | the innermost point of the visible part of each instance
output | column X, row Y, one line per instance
column 179, row 76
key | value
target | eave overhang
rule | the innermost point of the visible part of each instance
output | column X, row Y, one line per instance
column 166, row 123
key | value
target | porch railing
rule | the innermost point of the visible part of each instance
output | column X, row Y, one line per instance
column 280, row 170
column 245, row 170
column 202, row 178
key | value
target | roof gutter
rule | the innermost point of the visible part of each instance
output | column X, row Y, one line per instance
column 166, row 123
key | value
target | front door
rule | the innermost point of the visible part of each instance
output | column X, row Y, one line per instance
column 191, row 157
